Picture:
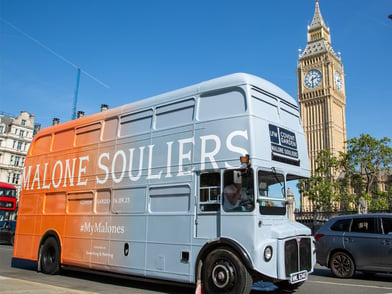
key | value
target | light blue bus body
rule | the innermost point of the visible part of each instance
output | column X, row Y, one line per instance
column 160, row 168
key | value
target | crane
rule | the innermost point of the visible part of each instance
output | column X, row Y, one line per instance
column 76, row 94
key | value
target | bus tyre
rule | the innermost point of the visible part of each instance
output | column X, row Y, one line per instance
column 50, row 257
column 223, row 272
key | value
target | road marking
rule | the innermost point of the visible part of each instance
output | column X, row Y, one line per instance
column 351, row 285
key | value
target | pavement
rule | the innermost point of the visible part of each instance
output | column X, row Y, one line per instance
column 15, row 286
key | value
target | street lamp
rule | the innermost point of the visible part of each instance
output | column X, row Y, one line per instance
column 390, row 16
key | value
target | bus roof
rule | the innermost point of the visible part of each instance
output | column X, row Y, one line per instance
column 7, row 186
column 227, row 81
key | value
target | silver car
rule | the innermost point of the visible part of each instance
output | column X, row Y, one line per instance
column 351, row 243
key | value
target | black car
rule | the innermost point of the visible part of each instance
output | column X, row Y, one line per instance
column 7, row 231
column 350, row 243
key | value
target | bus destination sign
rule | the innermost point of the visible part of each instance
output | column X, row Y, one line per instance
column 283, row 142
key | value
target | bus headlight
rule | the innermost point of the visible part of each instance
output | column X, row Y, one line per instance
column 268, row 253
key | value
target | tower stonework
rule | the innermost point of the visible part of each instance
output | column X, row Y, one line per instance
column 321, row 93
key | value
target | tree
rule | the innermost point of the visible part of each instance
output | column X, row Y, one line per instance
column 321, row 188
column 346, row 199
column 366, row 161
column 360, row 169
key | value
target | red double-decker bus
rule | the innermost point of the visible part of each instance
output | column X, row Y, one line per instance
column 7, row 200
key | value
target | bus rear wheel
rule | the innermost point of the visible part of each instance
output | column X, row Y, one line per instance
column 50, row 257
column 223, row 272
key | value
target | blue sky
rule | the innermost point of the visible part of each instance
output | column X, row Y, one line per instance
column 130, row 50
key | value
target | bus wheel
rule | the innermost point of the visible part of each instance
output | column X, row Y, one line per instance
column 223, row 272
column 50, row 257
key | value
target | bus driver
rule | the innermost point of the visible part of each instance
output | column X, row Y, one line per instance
column 233, row 193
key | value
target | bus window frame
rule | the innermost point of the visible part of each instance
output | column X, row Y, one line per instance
column 209, row 206
column 6, row 212
column 267, row 205
column 249, row 204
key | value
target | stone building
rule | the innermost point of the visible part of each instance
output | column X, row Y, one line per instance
column 321, row 93
column 16, row 134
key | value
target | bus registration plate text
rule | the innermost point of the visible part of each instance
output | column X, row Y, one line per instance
column 298, row 277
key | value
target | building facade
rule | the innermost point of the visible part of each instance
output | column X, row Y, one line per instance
column 321, row 93
column 16, row 134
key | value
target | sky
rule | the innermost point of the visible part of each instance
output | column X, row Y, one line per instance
column 130, row 50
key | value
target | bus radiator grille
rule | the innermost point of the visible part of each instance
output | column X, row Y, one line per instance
column 298, row 255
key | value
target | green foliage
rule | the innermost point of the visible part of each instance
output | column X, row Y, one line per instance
column 366, row 160
column 321, row 188
column 367, row 157
column 379, row 201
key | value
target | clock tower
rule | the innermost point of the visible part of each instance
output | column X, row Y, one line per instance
column 321, row 93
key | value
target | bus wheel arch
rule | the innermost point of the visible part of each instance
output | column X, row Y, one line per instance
column 49, row 255
column 223, row 266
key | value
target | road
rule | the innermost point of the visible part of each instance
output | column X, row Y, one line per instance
column 15, row 280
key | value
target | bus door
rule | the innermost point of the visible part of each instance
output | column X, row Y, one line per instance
column 207, row 223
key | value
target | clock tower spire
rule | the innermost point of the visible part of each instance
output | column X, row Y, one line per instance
column 317, row 29
column 321, row 92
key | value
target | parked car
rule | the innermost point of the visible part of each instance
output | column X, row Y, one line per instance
column 7, row 231
column 351, row 243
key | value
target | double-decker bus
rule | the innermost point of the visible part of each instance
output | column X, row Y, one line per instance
column 188, row 186
column 7, row 200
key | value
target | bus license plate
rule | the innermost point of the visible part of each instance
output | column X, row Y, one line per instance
column 298, row 277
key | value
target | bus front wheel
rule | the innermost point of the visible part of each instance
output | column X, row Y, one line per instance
column 50, row 257
column 223, row 272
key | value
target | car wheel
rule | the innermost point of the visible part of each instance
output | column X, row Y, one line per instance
column 342, row 265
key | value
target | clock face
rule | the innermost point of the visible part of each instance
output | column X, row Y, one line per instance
column 338, row 80
column 312, row 78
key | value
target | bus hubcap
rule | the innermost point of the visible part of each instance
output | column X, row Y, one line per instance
column 223, row 274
